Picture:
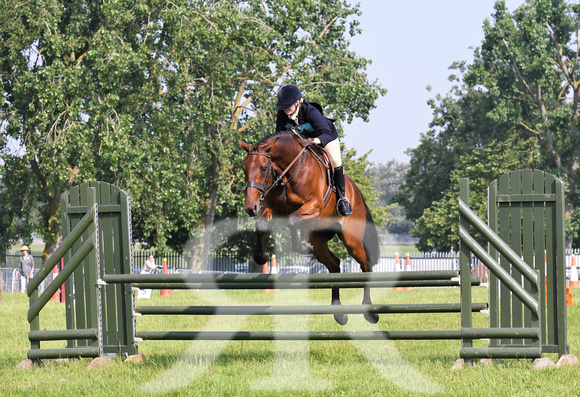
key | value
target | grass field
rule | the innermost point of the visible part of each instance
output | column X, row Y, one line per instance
column 259, row 368
column 401, row 249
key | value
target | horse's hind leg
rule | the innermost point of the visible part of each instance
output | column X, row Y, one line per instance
column 342, row 319
column 356, row 249
column 332, row 263
column 372, row 318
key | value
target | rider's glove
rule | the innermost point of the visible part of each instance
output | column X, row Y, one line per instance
column 306, row 141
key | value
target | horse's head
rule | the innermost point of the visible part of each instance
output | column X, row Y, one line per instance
column 264, row 160
column 258, row 170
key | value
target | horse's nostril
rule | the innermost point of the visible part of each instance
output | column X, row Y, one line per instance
column 252, row 210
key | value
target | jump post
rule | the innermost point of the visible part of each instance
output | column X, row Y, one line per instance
column 101, row 317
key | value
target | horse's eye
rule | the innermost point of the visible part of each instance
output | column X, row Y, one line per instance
column 264, row 168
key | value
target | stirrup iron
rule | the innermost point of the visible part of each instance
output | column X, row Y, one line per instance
column 348, row 204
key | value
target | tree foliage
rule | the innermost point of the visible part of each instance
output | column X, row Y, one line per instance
column 521, row 94
column 439, row 227
column 151, row 96
column 388, row 178
column 16, row 206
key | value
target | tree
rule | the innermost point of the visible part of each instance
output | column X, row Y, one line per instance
column 389, row 177
column 522, row 89
column 151, row 96
column 531, row 59
column 16, row 206
column 41, row 105
column 439, row 227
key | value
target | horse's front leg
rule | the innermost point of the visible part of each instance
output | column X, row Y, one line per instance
column 260, row 257
column 298, row 245
column 309, row 210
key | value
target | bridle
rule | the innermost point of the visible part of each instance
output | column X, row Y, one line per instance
column 270, row 173
column 276, row 180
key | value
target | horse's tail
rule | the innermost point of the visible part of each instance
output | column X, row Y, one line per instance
column 371, row 240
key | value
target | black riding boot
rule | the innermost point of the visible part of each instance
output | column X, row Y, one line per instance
column 342, row 205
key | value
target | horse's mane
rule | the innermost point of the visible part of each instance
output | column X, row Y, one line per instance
column 269, row 136
column 316, row 148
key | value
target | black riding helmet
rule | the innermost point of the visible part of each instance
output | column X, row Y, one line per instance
column 287, row 95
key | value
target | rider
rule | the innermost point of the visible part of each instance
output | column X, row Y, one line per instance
column 293, row 111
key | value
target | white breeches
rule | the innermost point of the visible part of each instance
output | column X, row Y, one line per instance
column 333, row 149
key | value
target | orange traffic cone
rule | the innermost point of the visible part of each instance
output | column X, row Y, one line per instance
column 407, row 268
column 56, row 296
column 574, row 274
column 274, row 270
column 165, row 292
column 569, row 301
column 397, row 262
column 274, row 266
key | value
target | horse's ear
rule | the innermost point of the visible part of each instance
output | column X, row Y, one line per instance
column 244, row 145
column 269, row 145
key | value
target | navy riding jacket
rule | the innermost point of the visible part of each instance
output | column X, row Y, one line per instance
column 324, row 128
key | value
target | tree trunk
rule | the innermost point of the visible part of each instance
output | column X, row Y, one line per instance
column 53, row 231
column 202, row 244
column 210, row 211
column 53, row 200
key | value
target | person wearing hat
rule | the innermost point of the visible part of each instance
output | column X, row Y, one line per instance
column 25, row 268
column 294, row 111
column 150, row 265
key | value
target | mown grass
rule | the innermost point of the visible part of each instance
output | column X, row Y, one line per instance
column 265, row 368
column 401, row 249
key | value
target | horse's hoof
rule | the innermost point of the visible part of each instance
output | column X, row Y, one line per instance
column 341, row 319
column 260, row 259
column 372, row 318
column 303, row 248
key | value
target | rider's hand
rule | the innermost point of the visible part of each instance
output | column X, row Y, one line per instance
column 306, row 141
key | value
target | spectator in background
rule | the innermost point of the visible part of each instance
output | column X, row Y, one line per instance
column 25, row 268
column 150, row 265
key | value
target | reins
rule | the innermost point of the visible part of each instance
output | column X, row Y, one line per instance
column 277, row 182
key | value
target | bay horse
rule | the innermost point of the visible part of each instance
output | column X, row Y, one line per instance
column 294, row 184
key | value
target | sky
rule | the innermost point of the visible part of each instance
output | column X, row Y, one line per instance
column 411, row 45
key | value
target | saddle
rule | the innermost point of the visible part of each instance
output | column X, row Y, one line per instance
column 320, row 154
